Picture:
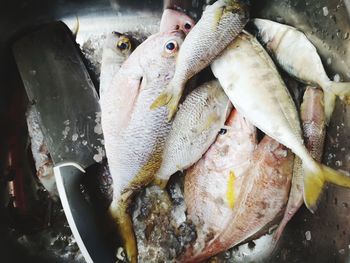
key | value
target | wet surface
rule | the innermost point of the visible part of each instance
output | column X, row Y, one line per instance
column 323, row 237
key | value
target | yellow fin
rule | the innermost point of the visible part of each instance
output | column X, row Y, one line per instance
column 230, row 192
column 161, row 183
column 168, row 99
column 125, row 229
column 315, row 181
column 75, row 29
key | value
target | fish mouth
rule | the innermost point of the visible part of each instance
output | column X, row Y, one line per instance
column 178, row 33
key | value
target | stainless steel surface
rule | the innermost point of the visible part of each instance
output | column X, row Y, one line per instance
column 323, row 237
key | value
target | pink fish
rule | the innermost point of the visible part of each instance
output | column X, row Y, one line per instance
column 237, row 189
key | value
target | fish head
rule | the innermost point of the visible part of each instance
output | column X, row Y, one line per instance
column 159, row 53
column 175, row 20
column 120, row 44
column 267, row 31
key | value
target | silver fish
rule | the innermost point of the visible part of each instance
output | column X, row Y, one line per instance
column 295, row 54
column 194, row 129
column 220, row 23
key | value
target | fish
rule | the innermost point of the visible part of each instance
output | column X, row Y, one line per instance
column 41, row 156
column 175, row 20
column 135, row 135
column 237, row 189
column 313, row 119
column 196, row 125
column 117, row 48
column 252, row 82
column 295, row 54
column 220, row 23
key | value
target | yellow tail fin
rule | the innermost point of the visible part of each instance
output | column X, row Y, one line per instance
column 341, row 89
column 125, row 229
column 315, row 181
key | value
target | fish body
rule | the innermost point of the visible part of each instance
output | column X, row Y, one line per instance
column 314, row 130
column 294, row 52
column 254, row 86
column 220, row 23
column 135, row 135
column 175, row 20
column 237, row 189
column 196, row 125
column 117, row 48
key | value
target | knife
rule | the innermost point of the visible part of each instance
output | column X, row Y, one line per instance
column 66, row 103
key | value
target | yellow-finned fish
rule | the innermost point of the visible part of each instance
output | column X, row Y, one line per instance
column 221, row 22
column 237, row 189
column 314, row 129
column 135, row 135
column 117, row 48
column 254, row 86
column 294, row 52
column 196, row 125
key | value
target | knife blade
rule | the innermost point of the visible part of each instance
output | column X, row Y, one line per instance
column 65, row 100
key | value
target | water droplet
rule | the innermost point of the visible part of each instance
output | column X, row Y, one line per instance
column 308, row 235
column 325, row 11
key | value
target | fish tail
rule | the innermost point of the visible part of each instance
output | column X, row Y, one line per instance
column 125, row 229
column 341, row 89
column 315, row 179
column 170, row 98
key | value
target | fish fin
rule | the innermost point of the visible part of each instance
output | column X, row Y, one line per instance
column 125, row 229
column 161, row 183
column 329, row 104
column 217, row 17
column 314, row 182
column 230, row 192
column 169, row 98
column 340, row 89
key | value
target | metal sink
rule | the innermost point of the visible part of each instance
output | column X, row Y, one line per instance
column 322, row 237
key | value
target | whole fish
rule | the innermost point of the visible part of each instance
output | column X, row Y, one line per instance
column 221, row 22
column 237, row 189
column 197, row 123
column 295, row 54
column 175, row 20
column 135, row 135
column 254, row 86
column 314, row 130
column 117, row 48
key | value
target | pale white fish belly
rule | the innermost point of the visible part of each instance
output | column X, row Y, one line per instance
column 255, row 88
column 195, row 127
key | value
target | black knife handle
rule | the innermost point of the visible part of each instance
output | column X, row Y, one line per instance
column 80, row 214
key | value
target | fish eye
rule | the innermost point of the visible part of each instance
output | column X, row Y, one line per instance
column 171, row 46
column 124, row 44
column 188, row 26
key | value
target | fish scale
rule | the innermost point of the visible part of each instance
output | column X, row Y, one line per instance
column 134, row 135
column 220, row 23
